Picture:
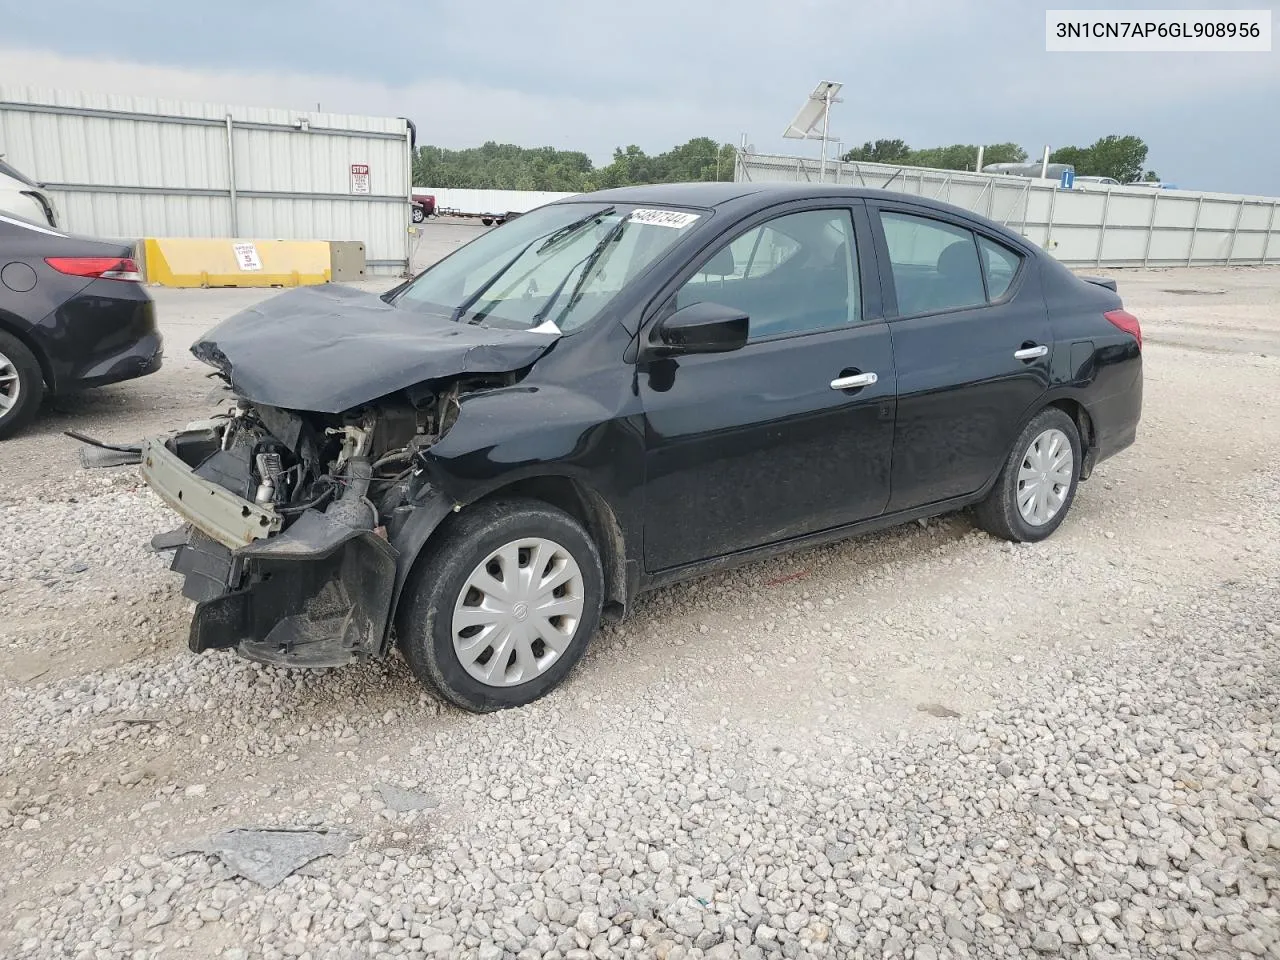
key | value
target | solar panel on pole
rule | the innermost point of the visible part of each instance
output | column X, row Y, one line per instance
column 815, row 113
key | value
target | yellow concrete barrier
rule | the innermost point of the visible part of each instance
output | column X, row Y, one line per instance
column 192, row 262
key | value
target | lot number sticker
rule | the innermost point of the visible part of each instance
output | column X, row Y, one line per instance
column 663, row 218
column 247, row 256
column 360, row 178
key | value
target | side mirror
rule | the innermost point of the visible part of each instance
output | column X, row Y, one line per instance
column 704, row 328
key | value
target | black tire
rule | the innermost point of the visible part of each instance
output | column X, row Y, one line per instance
column 998, row 514
column 487, row 221
column 425, row 617
column 17, row 361
column 418, row 214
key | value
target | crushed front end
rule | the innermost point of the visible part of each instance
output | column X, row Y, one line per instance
column 305, row 504
column 290, row 519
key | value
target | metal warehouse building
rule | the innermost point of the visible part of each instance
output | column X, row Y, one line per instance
column 131, row 167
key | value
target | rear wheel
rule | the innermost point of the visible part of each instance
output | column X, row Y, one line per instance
column 418, row 214
column 504, row 606
column 21, row 385
column 1037, row 485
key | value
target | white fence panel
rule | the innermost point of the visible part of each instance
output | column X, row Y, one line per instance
column 491, row 201
column 130, row 167
column 1088, row 225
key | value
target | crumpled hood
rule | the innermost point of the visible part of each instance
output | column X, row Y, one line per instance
column 330, row 348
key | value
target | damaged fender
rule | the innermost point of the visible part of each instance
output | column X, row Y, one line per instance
column 411, row 528
column 503, row 437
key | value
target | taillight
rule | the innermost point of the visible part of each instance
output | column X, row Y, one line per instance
column 1127, row 322
column 105, row 268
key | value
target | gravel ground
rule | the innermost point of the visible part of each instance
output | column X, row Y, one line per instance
column 924, row 743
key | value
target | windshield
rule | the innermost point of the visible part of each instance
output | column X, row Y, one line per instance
column 560, row 264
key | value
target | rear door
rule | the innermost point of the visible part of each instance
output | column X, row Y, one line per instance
column 972, row 345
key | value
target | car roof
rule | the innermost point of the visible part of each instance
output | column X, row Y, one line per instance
column 741, row 197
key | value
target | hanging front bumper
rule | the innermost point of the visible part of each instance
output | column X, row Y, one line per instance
column 317, row 594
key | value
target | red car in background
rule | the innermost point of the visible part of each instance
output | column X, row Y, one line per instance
column 424, row 205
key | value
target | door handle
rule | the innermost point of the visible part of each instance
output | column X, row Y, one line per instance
column 1030, row 353
column 854, row 381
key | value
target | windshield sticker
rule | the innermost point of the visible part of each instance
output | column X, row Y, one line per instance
column 664, row 218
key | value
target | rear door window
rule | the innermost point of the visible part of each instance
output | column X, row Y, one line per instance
column 934, row 264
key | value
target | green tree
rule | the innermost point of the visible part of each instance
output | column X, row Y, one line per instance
column 1120, row 157
column 695, row 160
column 629, row 166
column 1003, row 153
column 1077, row 157
column 502, row 166
column 505, row 166
column 881, row 151
column 958, row 156
column 964, row 156
column 1152, row 177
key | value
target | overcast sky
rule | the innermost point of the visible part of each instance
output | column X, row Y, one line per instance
column 595, row 75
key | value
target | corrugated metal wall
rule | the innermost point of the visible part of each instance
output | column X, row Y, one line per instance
column 1084, row 226
column 130, row 167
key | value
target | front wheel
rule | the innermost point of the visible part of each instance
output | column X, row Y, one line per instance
column 418, row 215
column 1037, row 485
column 504, row 606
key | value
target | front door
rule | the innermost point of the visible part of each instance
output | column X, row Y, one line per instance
column 972, row 342
column 791, row 434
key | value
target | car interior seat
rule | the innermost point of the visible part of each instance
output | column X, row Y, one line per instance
column 959, row 277
column 828, row 299
column 713, row 286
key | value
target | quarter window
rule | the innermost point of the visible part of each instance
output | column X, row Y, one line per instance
column 935, row 265
column 1001, row 265
column 796, row 274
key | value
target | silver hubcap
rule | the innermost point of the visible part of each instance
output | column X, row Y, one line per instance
column 10, row 384
column 518, row 612
column 1044, row 477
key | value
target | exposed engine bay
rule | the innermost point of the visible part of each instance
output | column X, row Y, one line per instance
column 296, row 521
column 356, row 467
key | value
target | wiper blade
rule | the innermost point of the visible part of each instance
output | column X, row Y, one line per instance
column 571, row 228
column 590, row 260
column 461, row 309
column 556, row 236
column 555, row 294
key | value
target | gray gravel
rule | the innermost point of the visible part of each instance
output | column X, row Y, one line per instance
column 1133, row 813
column 1125, row 805
column 923, row 744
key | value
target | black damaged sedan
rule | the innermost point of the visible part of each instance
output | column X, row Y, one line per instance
column 618, row 391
